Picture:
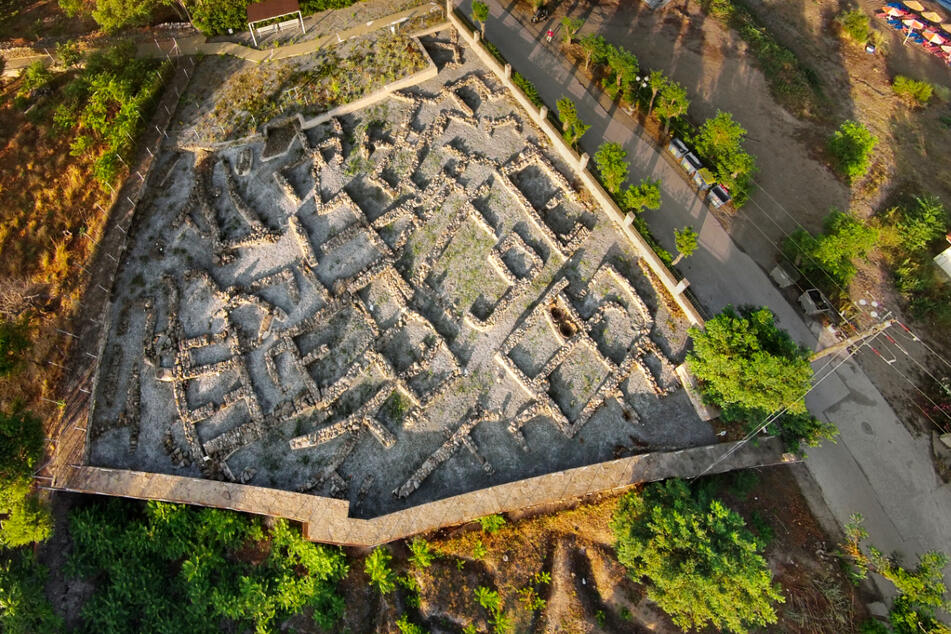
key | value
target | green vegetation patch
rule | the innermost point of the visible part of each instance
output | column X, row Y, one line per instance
column 172, row 568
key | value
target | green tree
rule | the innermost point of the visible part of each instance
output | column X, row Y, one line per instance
column 14, row 341
column 571, row 126
column 114, row 15
column 851, row 149
column 854, row 25
column 377, row 567
column 686, row 241
column 610, row 159
column 595, row 49
column 480, row 13
column 69, row 53
column 29, row 522
column 570, row 28
column 171, row 568
column 920, row 224
column 913, row 90
column 744, row 361
column 624, row 67
column 671, row 103
column 24, row 608
column 655, row 82
column 21, row 449
column 921, row 589
column 696, row 557
column 843, row 239
column 719, row 141
column 645, row 195
column 72, row 8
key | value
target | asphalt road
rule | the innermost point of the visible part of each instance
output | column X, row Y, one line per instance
column 876, row 468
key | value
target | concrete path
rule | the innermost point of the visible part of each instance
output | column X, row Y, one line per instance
column 198, row 44
column 877, row 468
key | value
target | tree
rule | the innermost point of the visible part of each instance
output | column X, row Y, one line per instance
column 572, row 127
column 29, row 522
column 745, row 362
column 24, row 607
column 719, row 142
column 595, row 49
column 921, row 590
column 854, row 25
column 686, row 241
column 171, row 568
column 655, row 81
column 14, row 340
column 645, row 195
column 851, row 149
column 832, row 253
column 698, row 560
column 671, row 103
column 570, row 28
column 21, row 448
column 612, row 166
column 480, row 13
column 114, row 15
column 624, row 65
column 921, row 224
column 69, row 53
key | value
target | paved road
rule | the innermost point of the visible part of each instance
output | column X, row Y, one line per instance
column 877, row 468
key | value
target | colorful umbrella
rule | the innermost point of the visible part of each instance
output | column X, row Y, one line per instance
column 914, row 24
column 914, row 6
column 933, row 36
column 931, row 16
column 946, row 48
column 893, row 12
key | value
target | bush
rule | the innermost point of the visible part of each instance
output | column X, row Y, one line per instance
column 173, row 568
column 830, row 255
column 913, row 90
column 14, row 341
column 29, row 522
column 215, row 18
column 24, row 607
column 492, row 523
column 698, row 560
column 855, row 25
column 21, row 449
column 851, row 149
column 377, row 567
column 528, row 88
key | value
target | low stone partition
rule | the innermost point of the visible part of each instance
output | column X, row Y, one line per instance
column 578, row 163
column 327, row 520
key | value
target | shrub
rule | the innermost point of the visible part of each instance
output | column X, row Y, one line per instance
column 69, row 53
column 14, row 341
column 21, row 449
column 913, row 90
column 29, row 522
column 492, row 523
column 23, row 603
column 114, row 15
column 698, row 560
column 851, row 149
column 528, row 88
column 377, row 567
column 422, row 555
column 405, row 626
column 831, row 254
column 193, row 567
column 854, row 25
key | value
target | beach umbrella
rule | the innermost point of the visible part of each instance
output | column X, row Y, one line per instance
column 914, row 6
column 933, row 36
column 894, row 12
column 932, row 17
column 946, row 48
column 914, row 23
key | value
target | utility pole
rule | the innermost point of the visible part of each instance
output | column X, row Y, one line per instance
column 842, row 345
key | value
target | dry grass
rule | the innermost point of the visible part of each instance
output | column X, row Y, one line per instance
column 49, row 221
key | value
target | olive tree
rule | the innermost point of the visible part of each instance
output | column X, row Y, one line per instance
column 480, row 13
column 610, row 159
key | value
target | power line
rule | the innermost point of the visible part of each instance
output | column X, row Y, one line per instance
column 772, row 417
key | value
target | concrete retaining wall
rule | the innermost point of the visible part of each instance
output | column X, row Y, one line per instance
column 327, row 520
column 578, row 164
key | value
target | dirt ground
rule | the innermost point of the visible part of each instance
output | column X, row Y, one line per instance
column 589, row 591
column 796, row 186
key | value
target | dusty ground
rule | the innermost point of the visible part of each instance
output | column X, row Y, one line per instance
column 281, row 299
column 589, row 591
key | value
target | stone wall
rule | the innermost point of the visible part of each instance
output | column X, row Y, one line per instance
column 327, row 520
